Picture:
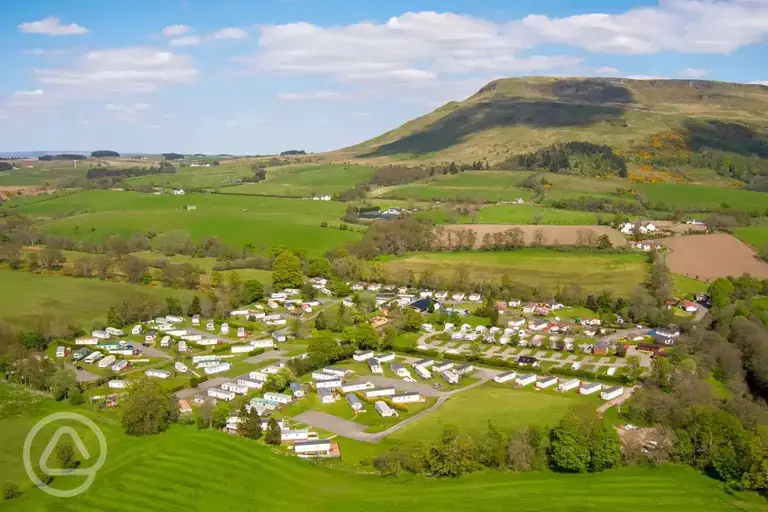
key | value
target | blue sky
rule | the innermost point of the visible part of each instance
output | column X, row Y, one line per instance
column 262, row 76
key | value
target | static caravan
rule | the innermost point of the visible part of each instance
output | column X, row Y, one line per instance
column 150, row 337
column 407, row 398
column 240, row 389
column 80, row 354
column 279, row 398
column 195, row 320
column 250, row 383
column 172, row 319
column 218, row 368
column 374, row 366
column 158, row 374
column 361, row 386
column 450, row 377
column 442, row 366
column 182, row 346
column 376, row 392
column 61, row 351
column 205, row 358
column 321, row 375
column 258, row 375
column 210, row 326
column 424, row 363
column 137, row 330
column 107, row 361
column 279, row 337
column 192, row 337
column 242, row 349
column 314, row 448
column 612, row 392
column 339, row 372
column 524, row 380
column 114, row 332
column 92, row 357
column 399, row 370
column 384, row 410
column 208, row 342
column 117, row 384
column 386, row 358
column 328, row 384
column 102, row 335
column 241, row 332
column 587, row 388
column 224, row 328
column 180, row 367
column 297, row 390
column 263, row 344
column 545, row 382
column 422, row 372
column 294, row 435
column 505, row 377
column 87, row 341
column 221, row 394
column 326, row 396
column 165, row 342
column 362, row 355
column 119, row 366
column 568, row 385
column 354, row 402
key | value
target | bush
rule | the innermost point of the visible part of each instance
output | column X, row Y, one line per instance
column 11, row 491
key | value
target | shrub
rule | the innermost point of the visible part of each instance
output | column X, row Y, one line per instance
column 11, row 490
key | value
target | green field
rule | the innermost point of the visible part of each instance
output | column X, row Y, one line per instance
column 619, row 273
column 236, row 220
column 190, row 469
column 196, row 177
column 305, row 181
column 43, row 173
column 24, row 296
column 700, row 196
column 756, row 236
column 528, row 214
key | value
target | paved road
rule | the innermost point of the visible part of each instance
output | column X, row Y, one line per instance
column 84, row 375
column 154, row 352
column 380, row 381
column 269, row 354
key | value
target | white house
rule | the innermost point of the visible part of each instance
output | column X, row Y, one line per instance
column 102, row 335
column 587, row 388
column 611, row 393
column 422, row 372
column 137, row 330
column 360, row 386
column 354, row 402
column 384, row 410
column 250, row 383
column 524, row 380
column 327, row 384
column 242, row 349
column 375, row 366
column 279, row 398
column 362, row 355
column 504, row 377
column 180, row 367
column 267, row 343
column 442, row 366
column 568, row 385
column 114, row 332
column 120, row 365
column 545, row 382
column 399, row 370
column 386, row 358
column 218, row 368
column 221, row 394
column 240, row 389
column 450, row 377
column 117, row 384
column 326, row 396
column 406, row 398
column 376, row 392
column 107, row 361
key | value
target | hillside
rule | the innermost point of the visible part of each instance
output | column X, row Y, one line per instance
column 519, row 115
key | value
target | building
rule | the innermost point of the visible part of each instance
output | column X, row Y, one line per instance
column 463, row 369
column 505, row 377
column 399, row 370
column 137, row 330
column 384, row 410
column 422, row 372
column 587, row 388
column 296, row 390
column 250, row 383
column 218, row 368
column 339, row 372
column 221, row 394
column 114, row 332
column 240, row 389
column 263, row 343
column 326, row 396
column 279, row 398
column 442, row 366
column 316, row 448
column 424, row 363
column 159, row 374
column 61, row 351
column 82, row 353
column 386, row 358
column 360, row 386
column 527, row 360
column 545, row 382
column 322, row 375
column 612, row 392
column 279, row 337
column 180, row 367
column 102, row 335
column 117, row 384
column 450, row 377
column 295, row 435
column 406, row 398
column 119, row 366
column 87, row 341
column 184, row 407
column 242, row 349
column 524, row 380
column 107, row 361
column 568, row 385
column 362, row 355
column 92, row 357
column 374, row 366
column 327, row 384
column 354, row 402
column 376, row 392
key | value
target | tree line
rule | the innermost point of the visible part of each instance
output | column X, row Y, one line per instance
column 575, row 157
column 129, row 172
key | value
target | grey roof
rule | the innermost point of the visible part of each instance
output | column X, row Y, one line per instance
column 323, row 392
column 396, row 366
column 408, row 393
column 295, row 386
column 507, row 374
column 590, row 385
column 312, row 442
column 612, row 389
column 352, row 399
column 373, row 362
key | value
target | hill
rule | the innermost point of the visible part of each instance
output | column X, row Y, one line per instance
column 651, row 118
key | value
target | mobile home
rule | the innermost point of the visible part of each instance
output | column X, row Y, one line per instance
column 505, row 377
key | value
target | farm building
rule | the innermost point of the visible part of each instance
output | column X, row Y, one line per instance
column 159, row 374
column 442, row 366
column 568, row 385
column 611, row 393
column 360, row 386
column 375, row 392
column 279, row 398
column 405, row 398
column 505, row 377
column 587, row 388
column 218, row 368
column 399, row 370
column 328, row 384
column 524, row 380
column 326, row 396
column 374, row 366
column 354, row 402
column 450, row 377
column 384, row 410
column 545, row 382
column 362, row 355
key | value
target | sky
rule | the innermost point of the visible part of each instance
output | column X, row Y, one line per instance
column 264, row 76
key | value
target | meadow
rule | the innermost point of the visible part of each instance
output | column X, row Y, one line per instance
column 196, row 177
column 703, row 197
column 618, row 273
column 25, row 296
column 756, row 236
column 529, row 214
column 189, row 469
column 305, row 181
column 236, row 220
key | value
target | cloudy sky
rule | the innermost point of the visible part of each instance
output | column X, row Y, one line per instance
column 261, row 76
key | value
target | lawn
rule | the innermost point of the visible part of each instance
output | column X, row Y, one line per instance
column 529, row 214
column 619, row 273
column 756, row 236
column 305, row 181
column 236, row 220
column 688, row 286
column 25, row 297
column 190, row 469
column 702, row 197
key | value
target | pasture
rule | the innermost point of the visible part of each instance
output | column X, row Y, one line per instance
column 25, row 297
column 756, row 236
column 187, row 177
column 552, row 235
column 693, row 197
column 189, row 469
column 305, row 181
column 529, row 214
column 618, row 273
column 707, row 257
column 236, row 220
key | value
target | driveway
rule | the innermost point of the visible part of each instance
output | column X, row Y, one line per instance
column 84, row 375
column 332, row 423
column 269, row 354
column 154, row 352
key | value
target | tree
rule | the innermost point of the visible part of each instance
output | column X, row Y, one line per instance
column 451, row 456
column 569, row 446
column 75, row 396
column 61, row 383
column 65, row 454
column 366, row 336
column 50, row 258
column 411, row 320
column 721, row 292
column 634, row 368
column 321, row 323
column 148, row 408
column 250, row 424
column 273, row 435
column 253, row 290
column 204, row 415
column 194, row 306
column 604, row 242
column 658, row 282
column 492, row 448
column 286, row 271
column 134, row 268
column 173, row 306
column 319, row 267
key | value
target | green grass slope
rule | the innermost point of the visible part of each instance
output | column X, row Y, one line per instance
column 517, row 115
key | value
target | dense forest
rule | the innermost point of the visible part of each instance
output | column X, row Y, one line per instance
column 129, row 172
column 104, row 153
column 63, row 156
column 173, row 156
column 572, row 157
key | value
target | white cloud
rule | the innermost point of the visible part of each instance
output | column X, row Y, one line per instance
column 52, row 26
column 760, row 82
column 240, row 121
column 607, row 71
column 694, row 72
column 155, row 126
column 126, row 108
column 186, row 41
column 228, row 33
column 645, row 77
column 313, row 95
column 40, row 52
column 36, row 92
column 135, row 69
column 176, row 30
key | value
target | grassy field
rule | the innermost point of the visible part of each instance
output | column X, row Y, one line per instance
column 190, row 469
column 756, row 236
column 305, row 181
column 704, row 197
column 236, row 220
column 196, row 177
column 528, row 214
column 619, row 273
column 24, row 296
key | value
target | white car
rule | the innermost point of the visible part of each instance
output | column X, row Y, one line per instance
column 409, row 379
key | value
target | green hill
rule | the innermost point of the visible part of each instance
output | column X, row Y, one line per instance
column 661, row 119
